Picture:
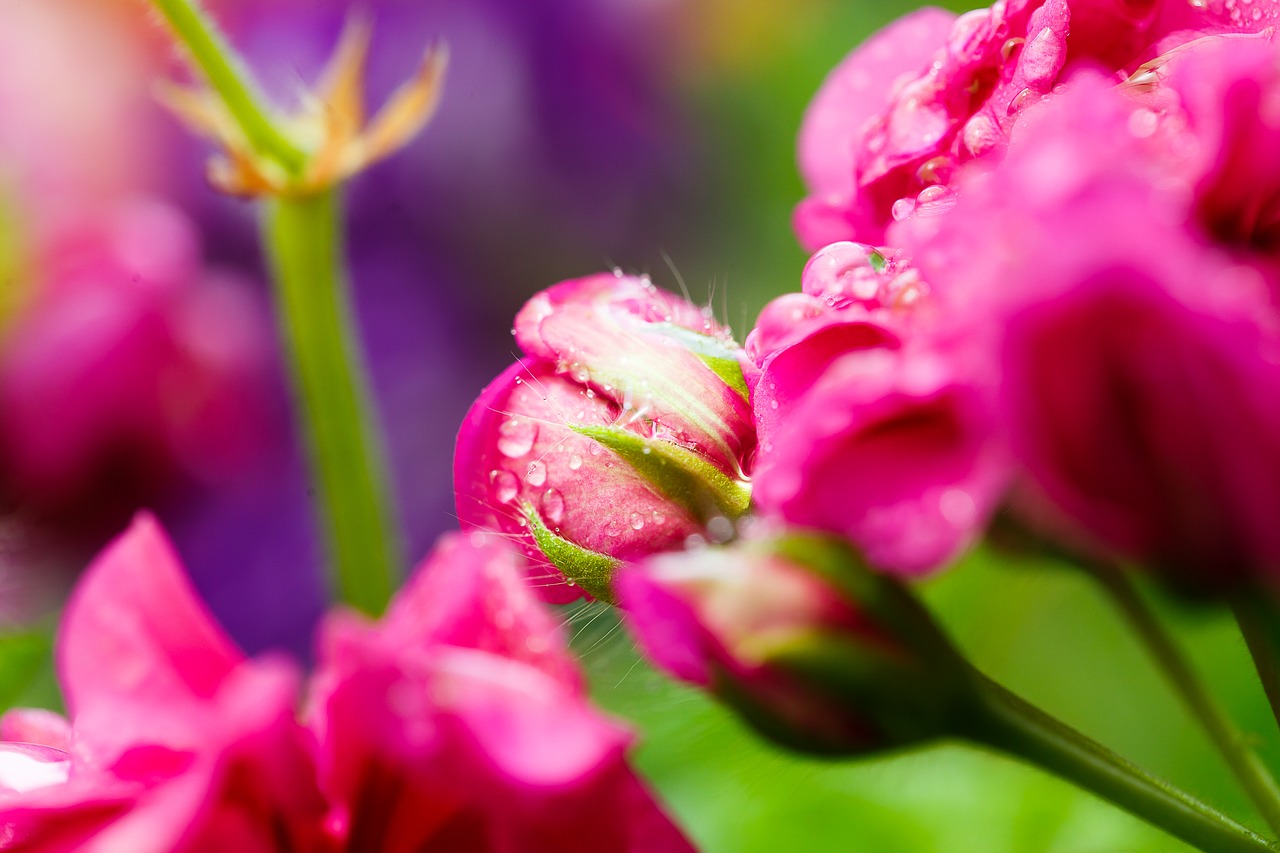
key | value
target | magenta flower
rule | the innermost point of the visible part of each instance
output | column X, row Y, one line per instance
column 886, row 443
column 128, row 357
column 1118, row 266
column 909, row 107
column 456, row 722
column 625, row 432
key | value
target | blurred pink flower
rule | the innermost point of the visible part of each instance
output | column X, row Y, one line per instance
column 1119, row 266
column 127, row 367
column 456, row 722
column 614, row 365
column 895, row 121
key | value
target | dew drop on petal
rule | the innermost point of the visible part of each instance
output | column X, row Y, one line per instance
column 552, row 506
column 958, row 507
column 575, row 462
column 516, row 437
column 637, row 521
column 537, row 474
column 505, row 486
column 902, row 208
column 720, row 529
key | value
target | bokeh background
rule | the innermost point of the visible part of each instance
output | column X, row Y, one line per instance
column 139, row 366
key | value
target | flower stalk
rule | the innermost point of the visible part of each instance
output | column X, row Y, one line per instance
column 219, row 65
column 303, row 236
column 1252, row 775
column 1261, row 630
column 1002, row 720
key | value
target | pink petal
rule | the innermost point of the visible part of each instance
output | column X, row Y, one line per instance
column 136, row 646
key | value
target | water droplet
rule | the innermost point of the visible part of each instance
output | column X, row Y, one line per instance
column 537, row 474
column 1019, row 101
column 575, row 462
column 1143, row 123
column 1011, row 48
column 902, row 208
column 595, row 450
column 658, row 517
column 552, row 506
column 516, row 437
column 773, row 404
column 647, row 450
column 958, row 507
column 720, row 529
column 505, row 486
column 637, row 521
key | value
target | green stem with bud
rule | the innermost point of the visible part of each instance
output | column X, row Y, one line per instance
column 999, row 719
column 303, row 237
column 1250, row 772
column 221, row 68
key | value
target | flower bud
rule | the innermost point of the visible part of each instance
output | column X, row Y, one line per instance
column 814, row 649
column 625, row 432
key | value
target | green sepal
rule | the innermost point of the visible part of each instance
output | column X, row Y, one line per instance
column 588, row 569
column 882, row 597
column 680, row 474
column 720, row 358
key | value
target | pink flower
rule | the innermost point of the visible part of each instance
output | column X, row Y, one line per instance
column 867, row 427
column 1118, row 267
column 626, row 431
column 913, row 104
column 128, row 358
column 456, row 722
column 810, row 647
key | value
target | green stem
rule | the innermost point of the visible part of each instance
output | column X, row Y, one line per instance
column 1000, row 719
column 1258, row 624
column 216, row 60
column 1248, row 769
column 303, row 236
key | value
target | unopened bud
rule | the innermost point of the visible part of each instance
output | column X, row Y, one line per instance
column 795, row 633
column 626, row 432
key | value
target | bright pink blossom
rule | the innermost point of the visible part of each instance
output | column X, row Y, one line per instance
column 127, row 366
column 909, row 107
column 1119, row 268
column 867, row 426
column 458, row 721
column 613, row 363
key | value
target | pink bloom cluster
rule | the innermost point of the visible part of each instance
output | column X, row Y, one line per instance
column 1066, row 303
column 1086, row 198
column 125, row 364
column 457, row 722
column 933, row 92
